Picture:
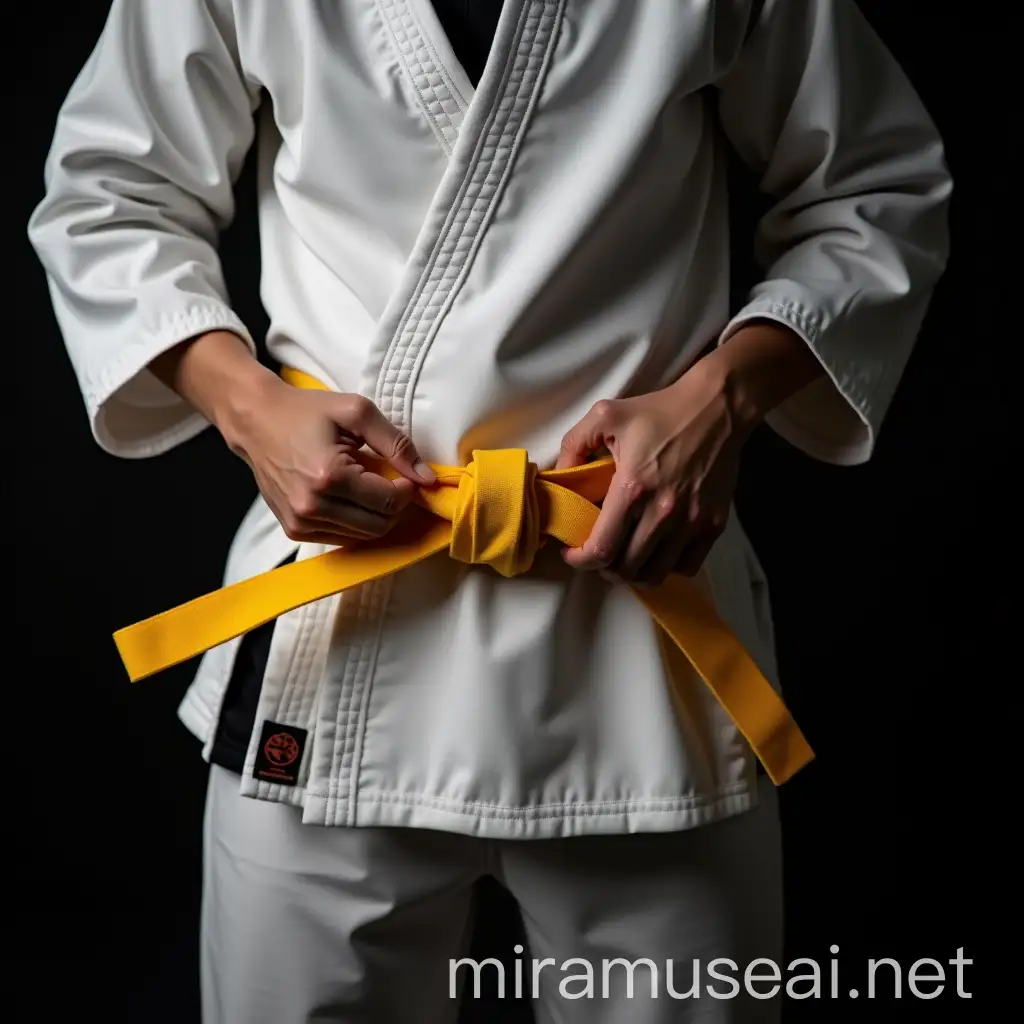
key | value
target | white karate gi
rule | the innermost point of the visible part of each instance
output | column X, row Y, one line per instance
column 486, row 263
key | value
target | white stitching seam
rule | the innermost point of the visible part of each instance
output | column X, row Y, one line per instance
column 439, row 282
column 431, row 83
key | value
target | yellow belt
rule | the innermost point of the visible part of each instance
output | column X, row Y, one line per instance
column 496, row 511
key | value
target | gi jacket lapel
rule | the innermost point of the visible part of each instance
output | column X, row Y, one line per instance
column 484, row 137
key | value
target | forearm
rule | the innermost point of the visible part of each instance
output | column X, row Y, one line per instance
column 757, row 369
column 218, row 376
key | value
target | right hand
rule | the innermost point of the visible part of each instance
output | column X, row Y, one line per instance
column 301, row 446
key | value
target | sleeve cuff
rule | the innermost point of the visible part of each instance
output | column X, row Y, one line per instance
column 132, row 414
column 831, row 419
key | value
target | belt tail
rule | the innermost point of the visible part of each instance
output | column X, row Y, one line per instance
column 174, row 636
column 692, row 622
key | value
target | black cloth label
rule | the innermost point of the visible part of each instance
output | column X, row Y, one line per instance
column 280, row 753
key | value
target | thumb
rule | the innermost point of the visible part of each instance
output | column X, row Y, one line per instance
column 360, row 416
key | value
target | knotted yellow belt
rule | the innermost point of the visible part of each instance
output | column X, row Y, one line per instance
column 496, row 511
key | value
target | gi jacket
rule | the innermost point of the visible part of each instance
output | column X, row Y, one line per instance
column 485, row 264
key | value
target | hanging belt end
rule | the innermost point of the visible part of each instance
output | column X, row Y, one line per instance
column 790, row 756
column 134, row 661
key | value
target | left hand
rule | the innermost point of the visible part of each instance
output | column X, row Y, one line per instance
column 677, row 458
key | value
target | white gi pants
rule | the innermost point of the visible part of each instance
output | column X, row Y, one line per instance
column 304, row 923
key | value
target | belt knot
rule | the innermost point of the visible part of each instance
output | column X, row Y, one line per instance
column 496, row 520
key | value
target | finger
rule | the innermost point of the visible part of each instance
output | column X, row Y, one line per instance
column 619, row 513
column 586, row 437
column 660, row 516
column 360, row 416
column 349, row 481
column 334, row 540
column 335, row 513
column 611, row 574
column 311, row 531
column 665, row 557
column 696, row 551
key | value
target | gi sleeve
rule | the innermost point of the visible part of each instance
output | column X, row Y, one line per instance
column 138, row 184
column 857, row 235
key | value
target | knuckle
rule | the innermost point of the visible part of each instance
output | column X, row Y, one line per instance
column 320, row 479
column 632, row 485
column 666, row 504
column 304, row 506
column 603, row 411
column 358, row 409
column 292, row 528
column 700, row 511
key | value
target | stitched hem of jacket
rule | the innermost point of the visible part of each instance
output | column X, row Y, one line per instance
column 497, row 821
column 547, row 821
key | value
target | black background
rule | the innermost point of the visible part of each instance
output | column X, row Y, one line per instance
column 892, row 583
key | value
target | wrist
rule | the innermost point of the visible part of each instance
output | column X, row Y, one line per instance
column 716, row 383
column 242, row 401
column 758, row 368
column 737, row 387
column 220, row 377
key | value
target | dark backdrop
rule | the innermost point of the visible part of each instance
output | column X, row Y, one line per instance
column 891, row 584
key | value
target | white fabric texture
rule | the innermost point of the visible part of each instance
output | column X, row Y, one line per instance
column 486, row 263
column 360, row 925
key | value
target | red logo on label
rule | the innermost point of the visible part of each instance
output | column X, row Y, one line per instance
column 281, row 749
